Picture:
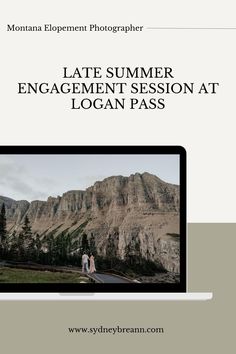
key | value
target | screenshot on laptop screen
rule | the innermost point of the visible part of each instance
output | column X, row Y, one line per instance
column 92, row 218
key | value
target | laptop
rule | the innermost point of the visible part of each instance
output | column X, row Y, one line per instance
column 93, row 223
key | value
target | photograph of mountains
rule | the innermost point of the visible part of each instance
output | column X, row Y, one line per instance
column 116, row 229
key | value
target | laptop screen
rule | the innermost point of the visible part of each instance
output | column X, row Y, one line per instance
column 93, row 218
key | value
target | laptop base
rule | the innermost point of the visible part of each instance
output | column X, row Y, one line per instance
column 106, row 296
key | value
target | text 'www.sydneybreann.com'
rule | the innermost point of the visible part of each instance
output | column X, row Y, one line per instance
column 115, row 330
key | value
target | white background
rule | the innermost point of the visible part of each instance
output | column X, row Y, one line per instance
column 204, row 125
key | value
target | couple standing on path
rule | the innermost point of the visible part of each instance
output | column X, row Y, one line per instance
column 85, row 259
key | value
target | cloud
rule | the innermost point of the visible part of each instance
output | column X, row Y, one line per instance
column 88, row 181
column 16, row 182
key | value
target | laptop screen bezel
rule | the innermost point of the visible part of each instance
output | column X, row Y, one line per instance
column 180, row 286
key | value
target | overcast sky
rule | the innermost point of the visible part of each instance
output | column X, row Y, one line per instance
column 34, row 177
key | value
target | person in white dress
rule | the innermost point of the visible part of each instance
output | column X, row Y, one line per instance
column 92, row 268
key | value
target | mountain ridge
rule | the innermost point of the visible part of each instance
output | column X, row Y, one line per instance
column 137, row 212
column 84, row 190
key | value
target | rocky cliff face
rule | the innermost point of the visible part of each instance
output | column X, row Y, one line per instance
column 139, row 213
column 15, row 211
